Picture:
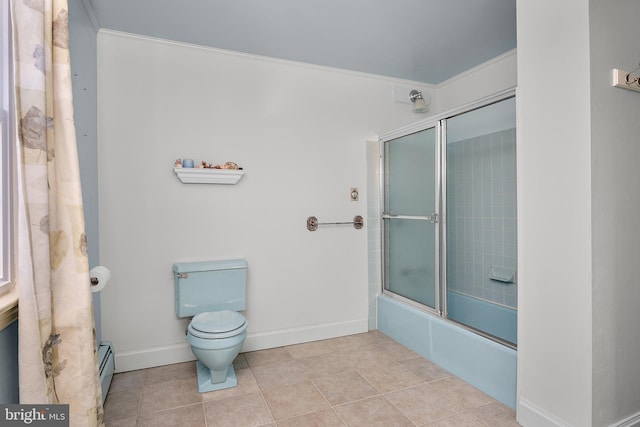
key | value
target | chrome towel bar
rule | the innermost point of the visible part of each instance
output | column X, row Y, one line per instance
column 312, row 223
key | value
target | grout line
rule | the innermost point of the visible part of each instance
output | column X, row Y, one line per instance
column 343, row 421
column 204, row 415
column 273, row 419
column 400, row 410
column 140, row 401
column 358, row 400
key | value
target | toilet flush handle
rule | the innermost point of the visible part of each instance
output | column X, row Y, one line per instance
column 182, row 275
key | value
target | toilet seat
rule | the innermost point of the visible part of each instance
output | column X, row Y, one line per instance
column 217, row 324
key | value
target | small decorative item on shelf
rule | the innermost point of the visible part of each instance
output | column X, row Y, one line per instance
column 227, row 165
column 230, row 165
column 208, row 173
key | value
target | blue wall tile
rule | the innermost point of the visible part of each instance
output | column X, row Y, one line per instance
column 481, row 212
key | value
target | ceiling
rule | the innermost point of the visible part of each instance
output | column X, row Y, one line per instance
column 423, row 40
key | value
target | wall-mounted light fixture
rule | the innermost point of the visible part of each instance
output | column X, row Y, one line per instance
column 419, row 104
column 421, row 99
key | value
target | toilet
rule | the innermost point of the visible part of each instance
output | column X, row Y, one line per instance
column 213, row 292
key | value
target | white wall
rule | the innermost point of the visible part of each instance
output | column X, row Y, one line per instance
column 615, row 204
column 578, row 224
column 488, row 78
column 299, row 132
column 554, row 214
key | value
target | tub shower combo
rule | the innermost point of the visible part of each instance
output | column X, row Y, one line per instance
column 448, row 239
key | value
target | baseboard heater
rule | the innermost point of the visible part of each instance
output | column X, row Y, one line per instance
column 107, row 365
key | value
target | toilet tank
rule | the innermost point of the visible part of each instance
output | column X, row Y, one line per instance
column 210, row 286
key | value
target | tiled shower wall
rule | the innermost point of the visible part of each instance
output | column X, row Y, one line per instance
column 481, row 215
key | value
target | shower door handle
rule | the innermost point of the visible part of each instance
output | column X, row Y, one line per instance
column 432, row 218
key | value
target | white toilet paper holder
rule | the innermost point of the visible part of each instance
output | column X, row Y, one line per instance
column 98, row 277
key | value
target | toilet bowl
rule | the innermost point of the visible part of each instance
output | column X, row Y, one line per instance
column 216, row 339
column 213, row 292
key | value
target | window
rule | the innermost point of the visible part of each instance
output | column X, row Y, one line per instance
column 6, row 136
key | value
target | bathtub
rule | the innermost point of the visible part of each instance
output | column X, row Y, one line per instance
column 483, row 363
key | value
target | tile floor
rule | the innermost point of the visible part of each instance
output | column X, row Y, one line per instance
column 358, row 380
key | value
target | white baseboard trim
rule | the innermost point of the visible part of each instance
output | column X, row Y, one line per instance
column 262, row 340
column 529, row 414
column 177, row 353
column 152, row 357
column 632, row 421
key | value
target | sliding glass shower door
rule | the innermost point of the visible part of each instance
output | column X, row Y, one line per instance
column 449, row 218
column 480, row 200
column 410, row 217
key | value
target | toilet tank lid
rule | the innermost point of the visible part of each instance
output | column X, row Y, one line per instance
column 228, row 264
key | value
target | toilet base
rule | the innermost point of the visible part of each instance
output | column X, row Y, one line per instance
column 204, row 379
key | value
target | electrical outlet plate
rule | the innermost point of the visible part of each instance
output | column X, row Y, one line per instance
column 354, row 194
column 620, row 80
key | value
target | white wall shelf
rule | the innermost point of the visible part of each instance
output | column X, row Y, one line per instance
column 208, row 176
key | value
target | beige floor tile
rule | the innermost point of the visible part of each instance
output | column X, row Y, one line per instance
column 496, row 415
column 425, row 369
column 370, row 379
column 267, row 357
column 240, row 362
column 397, row 351
column 372, row 412
column 363, row 357
column 345, row 387
column 170, row 372
column 169, row 394
column 246, row 384
column 294, row 400
column 192, row 416
column 324, row 418
column 422, row 404
column 461, row 393
column 127, row 422
column 460, row 420
column 324, row 364
column 280, row 374
column 351, row 342
column 127, row 381
column 241, row 411
column 122, row 404
column 387, row 377
column 377, row 337
column 309, row 349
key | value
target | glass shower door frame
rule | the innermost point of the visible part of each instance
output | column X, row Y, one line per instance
column 442, row 230
column 434, row 218
column 438, row 122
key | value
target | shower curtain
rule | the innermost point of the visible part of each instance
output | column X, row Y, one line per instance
column 57, row 347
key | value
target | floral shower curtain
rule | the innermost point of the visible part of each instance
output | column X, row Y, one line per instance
column 57, row 347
